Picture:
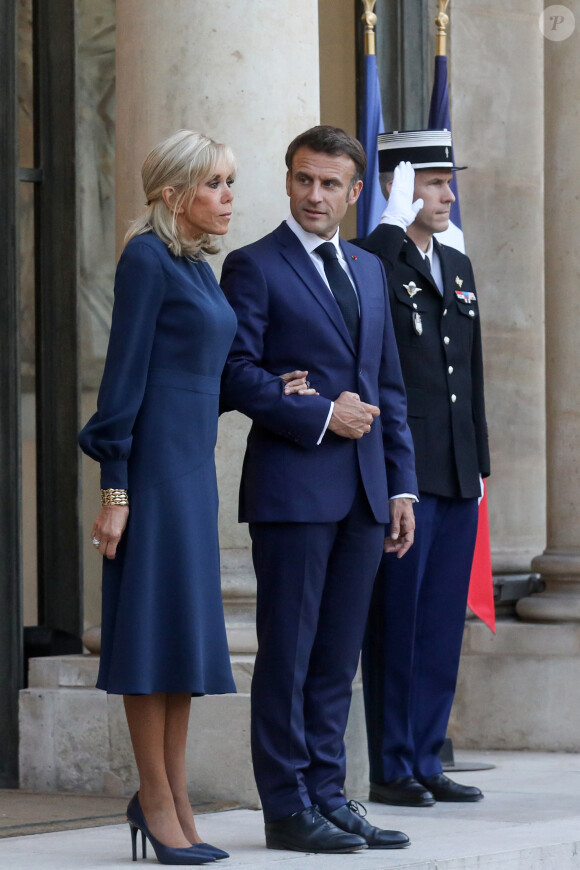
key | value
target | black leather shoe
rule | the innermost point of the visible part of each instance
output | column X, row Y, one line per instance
column 444, row 789
column 350, row 818
column 309, row 831
column 404, row 791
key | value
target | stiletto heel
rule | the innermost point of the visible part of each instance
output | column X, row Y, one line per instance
column 143, row 845
column 133, row 839
column 164, row 854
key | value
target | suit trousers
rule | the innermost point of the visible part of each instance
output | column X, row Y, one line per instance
column 413, row 640
column 315, row 582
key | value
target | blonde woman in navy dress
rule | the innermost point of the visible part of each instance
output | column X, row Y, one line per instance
column 154, row 433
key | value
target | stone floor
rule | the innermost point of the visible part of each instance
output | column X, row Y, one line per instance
column 529, row 820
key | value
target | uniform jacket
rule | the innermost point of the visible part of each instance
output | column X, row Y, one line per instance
column 288, row 319
column 439, row 342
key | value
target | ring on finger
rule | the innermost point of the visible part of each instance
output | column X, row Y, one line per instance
column 96, row 542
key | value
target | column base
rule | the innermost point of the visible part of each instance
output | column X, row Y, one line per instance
column 518, row 689
column 560, row 602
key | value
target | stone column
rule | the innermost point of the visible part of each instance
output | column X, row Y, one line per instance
column 496, row 90
column 248, row 75
column 559, row 565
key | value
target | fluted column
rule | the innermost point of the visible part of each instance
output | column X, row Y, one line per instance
column 559, row 565
column 246, row 74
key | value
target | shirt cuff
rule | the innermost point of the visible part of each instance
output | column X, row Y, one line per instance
column 322, row 434
column 404, row 495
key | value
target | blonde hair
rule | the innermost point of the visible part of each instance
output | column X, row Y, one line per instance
column 182, row 161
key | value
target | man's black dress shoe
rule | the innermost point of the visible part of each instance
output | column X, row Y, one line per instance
column 309, row 831
column 350, row 818
column 444, row 789
column 404, row 791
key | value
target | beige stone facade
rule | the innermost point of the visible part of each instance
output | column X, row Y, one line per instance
column 256, row 74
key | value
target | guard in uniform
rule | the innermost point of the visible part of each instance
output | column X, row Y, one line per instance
column 413, row 641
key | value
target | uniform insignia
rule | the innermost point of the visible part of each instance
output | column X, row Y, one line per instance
column 417, row 323
column 465, row 296
column 412, row 288
column 459, row 281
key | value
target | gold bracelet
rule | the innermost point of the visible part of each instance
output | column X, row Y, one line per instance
column 114, row 496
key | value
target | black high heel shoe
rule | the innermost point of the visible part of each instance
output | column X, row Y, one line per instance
column 164, row 854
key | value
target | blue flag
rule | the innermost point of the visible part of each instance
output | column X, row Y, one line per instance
column 371, row 203
column 440, row 119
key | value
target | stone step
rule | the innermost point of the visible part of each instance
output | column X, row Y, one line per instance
column 80, row 672
column 529, row 820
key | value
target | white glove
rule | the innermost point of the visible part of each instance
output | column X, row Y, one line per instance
column 401, row 210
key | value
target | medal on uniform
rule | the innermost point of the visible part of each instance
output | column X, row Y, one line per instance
column 412, row 288
column 465, row 296
column 459, row 281
column 417, row 323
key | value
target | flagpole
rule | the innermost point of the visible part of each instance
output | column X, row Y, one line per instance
column 442, row 22
column 370, row 20
column 371, row 202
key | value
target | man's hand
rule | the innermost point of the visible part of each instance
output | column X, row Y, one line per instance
column 401, row 210
column 352, row 418
column 402, row 527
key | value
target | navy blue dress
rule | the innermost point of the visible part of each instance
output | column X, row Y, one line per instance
column 154, row 434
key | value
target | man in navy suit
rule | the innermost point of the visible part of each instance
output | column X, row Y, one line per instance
column 413, row 644
column 322, row 475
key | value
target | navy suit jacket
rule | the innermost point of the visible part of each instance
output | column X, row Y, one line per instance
column 288, row 319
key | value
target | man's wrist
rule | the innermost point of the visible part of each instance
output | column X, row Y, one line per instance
column 394, row 220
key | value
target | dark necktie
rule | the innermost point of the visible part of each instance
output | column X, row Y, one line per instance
column 430, row 270
column 341, row 288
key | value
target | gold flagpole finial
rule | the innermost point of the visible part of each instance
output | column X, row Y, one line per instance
column 442, row 22
column 370, row 20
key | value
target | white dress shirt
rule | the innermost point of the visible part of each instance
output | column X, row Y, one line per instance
column 310, row 242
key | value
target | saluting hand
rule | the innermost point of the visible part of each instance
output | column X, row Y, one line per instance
column 401, row 210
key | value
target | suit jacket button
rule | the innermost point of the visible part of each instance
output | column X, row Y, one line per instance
column 450, row 370
column 446, row 340
column 472, row 313
column 444, row 313
column 453, row 397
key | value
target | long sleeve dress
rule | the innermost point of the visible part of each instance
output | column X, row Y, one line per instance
column 154, row 434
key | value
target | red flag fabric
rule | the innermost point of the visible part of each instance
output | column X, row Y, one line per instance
column 480, row 595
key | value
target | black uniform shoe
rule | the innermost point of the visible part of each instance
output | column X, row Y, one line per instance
column 350, row 818
column 444, row 789
column 404, row 791
column 309, row 831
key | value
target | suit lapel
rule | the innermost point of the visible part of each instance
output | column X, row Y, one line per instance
column 364, row 284
column 293, row 251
